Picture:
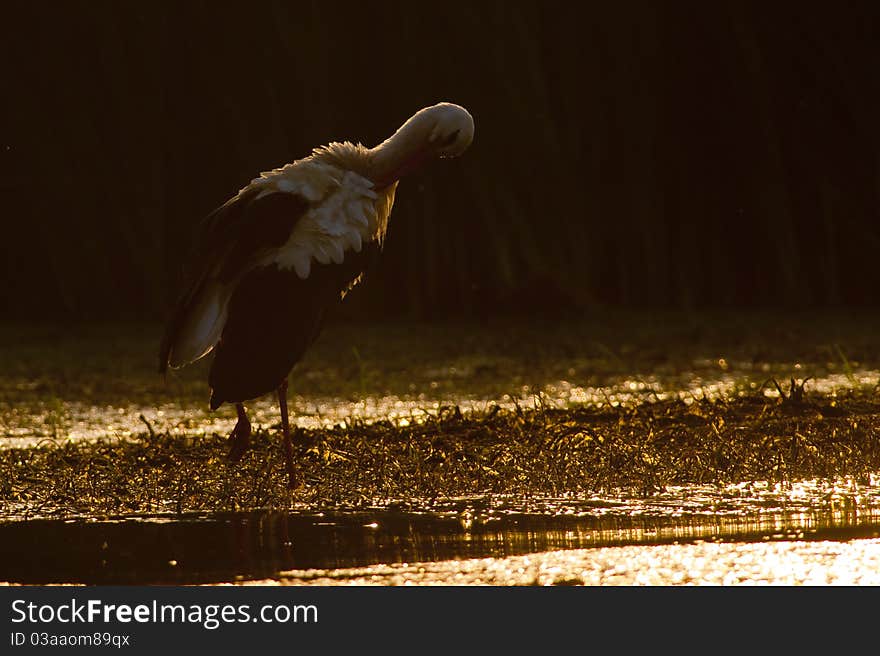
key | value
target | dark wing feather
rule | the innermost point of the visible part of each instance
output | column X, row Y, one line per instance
column 253, row 357
column 228, row 241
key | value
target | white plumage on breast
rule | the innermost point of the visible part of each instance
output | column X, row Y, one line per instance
column 345, row 213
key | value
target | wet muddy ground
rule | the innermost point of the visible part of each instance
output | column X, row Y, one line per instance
column 448, row 453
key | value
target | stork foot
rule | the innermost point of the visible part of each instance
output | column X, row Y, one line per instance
column 239, row 439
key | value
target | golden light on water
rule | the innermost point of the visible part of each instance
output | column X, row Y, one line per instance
column 76, row 420
column 752, row 533
column 776, row 563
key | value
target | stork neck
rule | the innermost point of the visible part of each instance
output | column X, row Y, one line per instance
column 402, row 153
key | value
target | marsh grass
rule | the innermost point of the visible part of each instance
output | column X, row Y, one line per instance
column 530, row 449
column 524, row 452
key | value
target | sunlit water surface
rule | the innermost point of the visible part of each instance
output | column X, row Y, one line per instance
column 476, row 540
column 76, row 420
column 815, row 532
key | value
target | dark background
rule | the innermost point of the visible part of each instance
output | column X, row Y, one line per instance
column 664, row 154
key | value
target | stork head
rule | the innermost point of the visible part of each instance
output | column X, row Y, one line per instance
column 441, row 130
column 452, row 131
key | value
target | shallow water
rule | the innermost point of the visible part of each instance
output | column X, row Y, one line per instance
column 270, row 545
column 97, row 382
column 78, row 420
column 101, row 384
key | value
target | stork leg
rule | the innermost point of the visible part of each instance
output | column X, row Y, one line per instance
column 285, row 431
column 240, row 437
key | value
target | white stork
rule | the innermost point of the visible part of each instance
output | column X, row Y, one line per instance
column 293, row 241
